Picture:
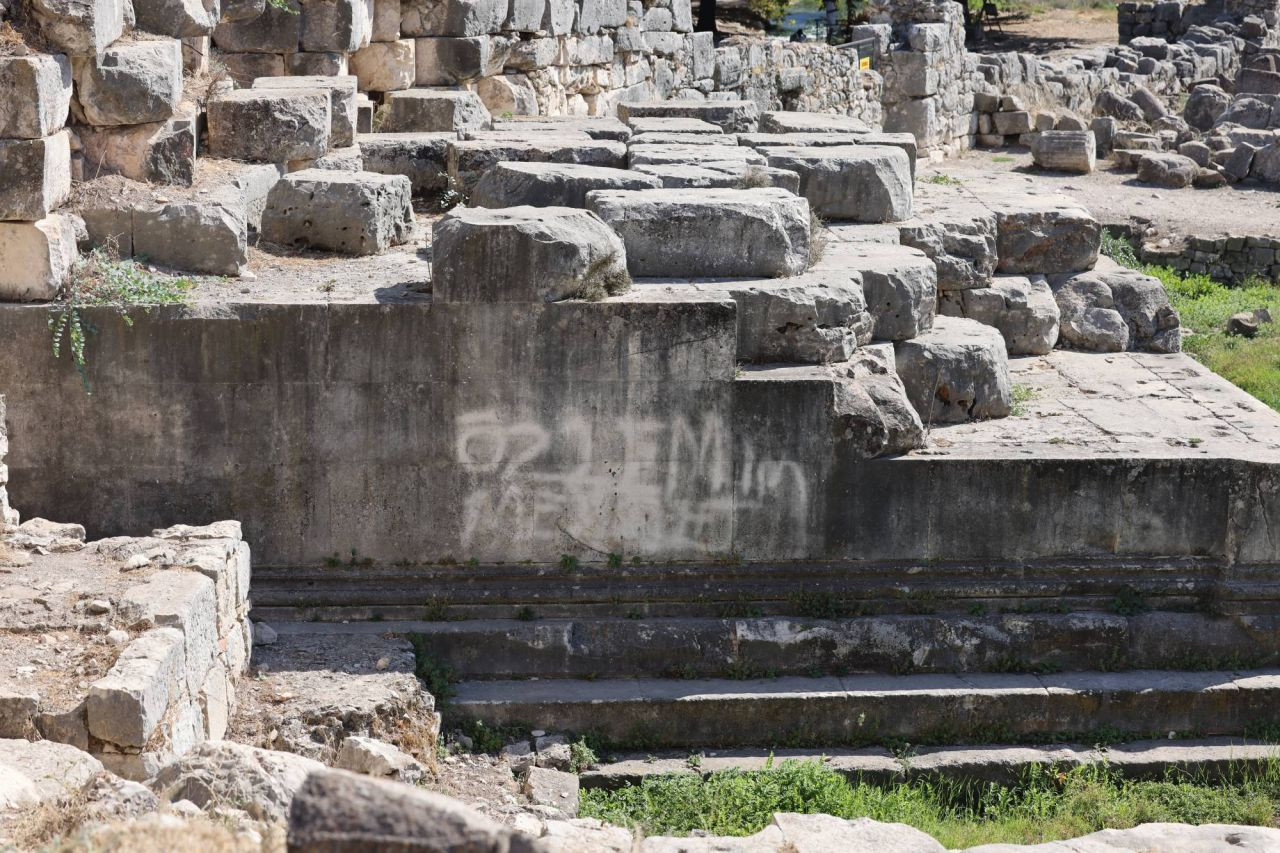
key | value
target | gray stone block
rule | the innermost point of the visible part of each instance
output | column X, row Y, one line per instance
column 434, row 111
column 1044, row 235
column 177, row 18
column 385, row 66
column 38, row 95
column 445, row 61
column 709, row 233
column 453, row 18
column 159, row 153
column 730, row 116
column 525, row 254
column 276, row 30
column 900, row 284
column 957, row 371
column 1022, row 309
column 270, row 125
column 1065, row 150
column 775, row 121
column 552, row 184
column 421, row 157
column 469, row 159
column 356, row 213
column 35, row 258
column 861, row 183
column 79, row 27
column 342, row 101
column 1166, row 170
column 37, row 175
column 130, row 83
column 334, row 25
column 127, row 704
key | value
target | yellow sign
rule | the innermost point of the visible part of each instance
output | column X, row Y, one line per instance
column 864, row 64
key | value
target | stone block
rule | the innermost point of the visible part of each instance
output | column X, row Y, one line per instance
column 1042, row 235
column 342, row 101
column 1114, row 311
column 421, row 157
column 699, row 155
column 316, row 64
column 244, row 68
column 452, row 18
column 957, row 371
column 36, row 175
column 177, row 18
column 597, row 15
column 242, row 10
column 180, row 599
column 469, row 159
column 161, row 152
column 35, row 258
column 1204, row 105
column 196, row 51
column 372, row 757
column 18, row 709
column 385, row 66
column 819, row 317
column 195, row 236
column 276, row 30
column 1065, row 150
column 449, row 61
column 356, row 213
column 79, row 27
column 386, row 21
column 435, row 111
column 731, row 116
column 1022, row 309
column 334, row 25
column 525, row 254
column 709, row 233
column 775, row 121
column 552, row 184
column 130, row 83
column 861, row 183
column 508, row 94
column 270, row 125
column 552, row 788
column 127, row 704
column 215, row 702
column 1166, row 170
column 1012, row 123
column 38, row 95
column 900, row 284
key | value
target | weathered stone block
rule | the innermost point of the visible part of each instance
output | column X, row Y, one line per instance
column 1167, row 170
column 161, row 152
column 276, row 30
column 862, row 183
column 775, row 121
column 525, row 254
column 1022, row 308
column 709, row 233
column 385, row 66
column 177, row 18
column 36, row 175
column 35, row 258
column 372, row 757
column 469, row 159
column 357, row 213
column 342, row 101
column 38, row 95
column 80, row 27
column 210, row 237
column 330, row 63
column 131, row 83
column 434, row 111
column 1044, row 235
column 1065, row 150
column 552, row 184
column 957, row 371
column 244, row 68
column 900, row 284
column 511, row 94
column 127, row 704
column 184, row 600
column 421, row 157
column 386, row 21
column 270, row 125
column 449, row 61
column 454, row 18
column 818, row 317
column 730, row 116
column 336, row 25
column 1116, row 310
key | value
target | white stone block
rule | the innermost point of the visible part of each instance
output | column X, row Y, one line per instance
column 36, row 176
column 125, row 706
column 35, row 258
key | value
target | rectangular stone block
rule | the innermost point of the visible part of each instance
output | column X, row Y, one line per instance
column 342, row 101
column 471, row 158
column 35, row 258
column 357, row 213
column 435, row 111
column 215, row 702
column 386, row 21
column 708, row 233
column 35, row 176
column 328, row 64
column 196, row 51
column 337, row 25
column 127, row 704
column 276, row 30
column 244, row 68
column 130, row 83
column 731, row 116
column 180, row 599
column 452, row 18
column 421, row 157
column 863, row 183
column 37, row 95
column 209, row 237
column 79, row 27
column 270, row 125
column 449, row 61
column 177, row 18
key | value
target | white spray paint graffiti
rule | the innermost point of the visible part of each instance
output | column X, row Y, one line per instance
column 671, row 487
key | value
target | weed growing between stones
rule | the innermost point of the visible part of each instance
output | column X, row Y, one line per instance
column 817, row 238
column 603, row 279
column 101, row 279
column 1022, row 395
column 1048, row 803
column 754, row 178
column 438, row 678
column 943, row 180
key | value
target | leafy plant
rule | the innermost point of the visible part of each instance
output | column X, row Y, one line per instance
column 581, row 756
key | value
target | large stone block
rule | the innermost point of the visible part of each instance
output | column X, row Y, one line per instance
column 80, row 27
column 277, row 30
column 525, row 254
column 36, row 175
column 127, row 704
column 334, row 25
column 1044, row 235
column 35, row 258
column 130, row 83
column 421, row 157
column 177, row 18
column 957, row 371
column 270, row 125
column 960, row 238
column 862, row 183
column 449, row 61
column 469, row 159
column 179, row 599
column 510, row 94
column 1065, row 150
column 195, row 236
column 709, row 233
column 1166, row 170
column 818, row 317
column 775, row 121
column 597, row 15
column 159, row 153
column 729, row 116
column 385, row 66
column 1022, row 308
column 356, row 213
column 434, row 111
column 342, row 101
column 900, row 283
column 552, row 184
column 455, row 18
column 1116, row 310
column 244, row 68
column 37, row 95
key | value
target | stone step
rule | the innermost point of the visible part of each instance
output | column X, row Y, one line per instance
column 867, row 709
column 710, row 647
column 1006, row 764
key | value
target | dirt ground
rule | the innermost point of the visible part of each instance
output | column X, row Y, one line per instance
column 1052, row 32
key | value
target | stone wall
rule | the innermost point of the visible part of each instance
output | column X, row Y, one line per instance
column 1225, row 258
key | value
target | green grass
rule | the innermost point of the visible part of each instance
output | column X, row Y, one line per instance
column 1204, row 306
column 1048, row 804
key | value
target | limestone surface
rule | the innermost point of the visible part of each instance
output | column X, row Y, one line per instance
column 35, row 257
column 37, row 175
column 270, row 125
column 355, row 213
column 552, row 184
column 1022, row 308
column 342, row 101
column 130, row 83
column 38, row 95
column 957, row 371
column 862, row 183
column 434, row 111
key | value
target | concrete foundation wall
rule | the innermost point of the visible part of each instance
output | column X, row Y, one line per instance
column 427, row 433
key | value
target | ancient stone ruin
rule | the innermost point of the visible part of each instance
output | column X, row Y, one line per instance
column 567, row 372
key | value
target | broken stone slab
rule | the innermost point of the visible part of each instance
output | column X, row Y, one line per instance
column 1116, row 310
column 553, row 788
column 127, row 704
column 709, row 233
column 525, row 254
column 372, row 757
column 38, row 95
column 875, row 371
column 35, row 258
column 1065, row 150
column 1022, row 308
column 1043, row 235
column 43, row 771
column 721, row 175
column 157, row 153
column 356, row 213
column 552, row 184
column 37, row 176
column 385, row 66
column 900, row 283
column 369, row 814
column 469, row 159
column 673, row 124
column 778, row 121
column 261, row 781
column 130, row 83
column 956, row 371
column 1166, row 170
column 434, row 111
column 813, row 318
column 342, row 102
column 79, row 27
column 729, row 116
column 270, row 125
column 861, row 183
column 959, row 236
column 423, row 158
